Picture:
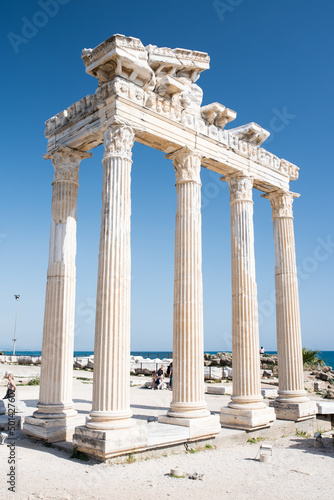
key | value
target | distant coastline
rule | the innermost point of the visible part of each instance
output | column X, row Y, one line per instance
column 326, row 356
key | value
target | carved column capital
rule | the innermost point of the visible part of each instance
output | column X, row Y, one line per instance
column 118, row 141
column 241, row 187
column 187, row 165
column 281, row 203
column 66, row 163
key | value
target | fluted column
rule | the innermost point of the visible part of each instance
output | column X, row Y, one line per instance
column 55, row 397
column 289, row 344
column 188, row 367
column 245, row 329
column 111, row 383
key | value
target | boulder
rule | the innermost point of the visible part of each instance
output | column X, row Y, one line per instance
column 319, row 386
column 81, row 363
column 330, row 394
column 326, row 369
column 90, row 363
column 324, row 376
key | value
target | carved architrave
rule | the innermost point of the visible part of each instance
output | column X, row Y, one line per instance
column 281, row 203
column 187, row 165
column 118, row 141
column 241, row 187
column 66, row 163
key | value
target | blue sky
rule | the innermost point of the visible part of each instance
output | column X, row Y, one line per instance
column 271, row 62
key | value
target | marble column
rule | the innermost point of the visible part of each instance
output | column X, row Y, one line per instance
column 188, row 367
column 289, row 344
column 247, row 409
column 111, row 383
column 55, row 397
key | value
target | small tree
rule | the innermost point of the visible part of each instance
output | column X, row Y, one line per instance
column 311, row 358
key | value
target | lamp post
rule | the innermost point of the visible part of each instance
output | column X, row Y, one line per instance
column 14, row 339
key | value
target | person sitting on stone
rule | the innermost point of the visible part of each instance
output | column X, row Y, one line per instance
column 154, row 380
column 262, row 350
column 11, row 387
column 160, row 377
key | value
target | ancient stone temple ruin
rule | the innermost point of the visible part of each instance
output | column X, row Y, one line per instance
column 148, row 94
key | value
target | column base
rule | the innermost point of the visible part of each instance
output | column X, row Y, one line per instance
column 103, row 420
column 198, row 427
column 54, row 412
column 50, row 430
column 188, row 410
column 105, row 444
column 292, row 397
column 247, row 419
column 294, row 411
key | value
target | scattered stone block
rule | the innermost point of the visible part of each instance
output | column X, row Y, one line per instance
column 269, row 393
column 325, row 407
column 219, row 389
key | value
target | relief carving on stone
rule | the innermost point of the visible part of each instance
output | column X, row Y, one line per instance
column 241, row 187
column 66, row 163
column 118, row 141
column 281, row 203
column 187, row 165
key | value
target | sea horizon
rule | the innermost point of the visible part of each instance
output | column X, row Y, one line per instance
column 326, row 356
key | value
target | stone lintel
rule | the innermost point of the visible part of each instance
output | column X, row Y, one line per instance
column 294, row 411
column 248, row 420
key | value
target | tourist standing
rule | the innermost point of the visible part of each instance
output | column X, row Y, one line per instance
column 11, row 387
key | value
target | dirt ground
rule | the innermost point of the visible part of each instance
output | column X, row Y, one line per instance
column 297, row 470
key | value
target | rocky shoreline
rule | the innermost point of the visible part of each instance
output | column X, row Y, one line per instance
column 319, row 379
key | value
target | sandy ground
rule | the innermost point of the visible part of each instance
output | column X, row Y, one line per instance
column 298, row 470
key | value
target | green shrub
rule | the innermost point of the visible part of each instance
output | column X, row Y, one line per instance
column 34, row 381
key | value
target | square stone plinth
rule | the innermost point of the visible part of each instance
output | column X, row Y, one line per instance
column 294, row 411
column 204, row 427
column 248, row 420
column 51, row 430
column 104, row 444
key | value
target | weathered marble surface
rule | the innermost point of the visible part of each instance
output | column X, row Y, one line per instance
column 153, row 90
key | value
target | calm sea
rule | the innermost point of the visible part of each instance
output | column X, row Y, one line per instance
column 327, row 356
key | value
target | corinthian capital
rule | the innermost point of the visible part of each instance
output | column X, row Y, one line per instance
column 281, row 203
column 118, row 141
column 187, row 165
column 241, row 187
column 66, row 163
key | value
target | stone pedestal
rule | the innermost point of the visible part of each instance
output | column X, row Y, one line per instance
column 247, row 419
column 55, row 398
column 291, row 391
column 104, row 444
column 294, row 411
column 111, row 382
column 51, row 430
column 247, row 409
column 188, row 371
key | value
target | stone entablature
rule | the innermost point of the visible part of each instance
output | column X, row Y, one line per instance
column 171, row 97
